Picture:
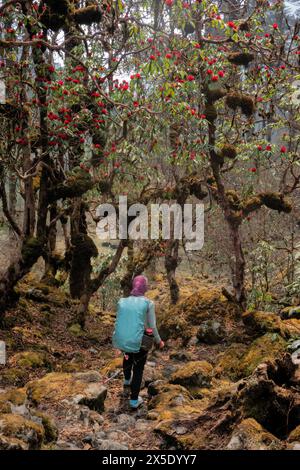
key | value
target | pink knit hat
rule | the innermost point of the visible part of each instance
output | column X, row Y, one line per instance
column 139, row 286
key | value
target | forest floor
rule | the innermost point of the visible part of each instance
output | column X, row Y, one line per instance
column 217, row 384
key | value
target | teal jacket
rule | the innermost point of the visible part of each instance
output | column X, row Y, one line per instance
column 134, row 314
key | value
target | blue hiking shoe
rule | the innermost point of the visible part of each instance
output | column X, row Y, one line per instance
column 134, row 404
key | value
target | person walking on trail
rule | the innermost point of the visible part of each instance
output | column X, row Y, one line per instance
column 134, row 334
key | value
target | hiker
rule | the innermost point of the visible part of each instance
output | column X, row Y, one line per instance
column 135, row 332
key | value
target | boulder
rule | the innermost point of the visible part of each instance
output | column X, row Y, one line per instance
column 181, row 356
column 210, row 332
column 178, row 321
column 240, row 361
column 193, row 374
column 82, row 388
column 28, row 432
column 250, row 435
column 262, row 322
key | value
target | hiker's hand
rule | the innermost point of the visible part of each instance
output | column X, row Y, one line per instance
column 118, row 353
column 161, row 345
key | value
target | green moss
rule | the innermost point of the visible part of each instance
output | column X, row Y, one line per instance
column 266, row 348
column 193, row 374
column 277, row 201
column 13, row 425
column 51, row 431
column 229, row 151
column 13, row 376
column 228, row 364
column 31, row 360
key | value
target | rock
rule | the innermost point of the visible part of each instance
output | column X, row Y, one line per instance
column 15, row 426
column 125, row 421
column 51, row 431
column 150, row 375
column 250, row 435
column 12, row 399
column 266, row 348
column 181, row 356
column 262, row 322
column 294, row 345
column 193, row 374
column 173, row 402
column 117, row 435
column 82, row 388
column 210, row 332
column 290, row 312
column 154, row 387
column 240, row 361
column 142, row 425
column 31, row 360
column 11, row 443
column 179, row 320
column 168, row 370
column 228, row 364
column 110, row 445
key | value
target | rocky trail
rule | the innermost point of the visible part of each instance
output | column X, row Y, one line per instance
column 225, row 380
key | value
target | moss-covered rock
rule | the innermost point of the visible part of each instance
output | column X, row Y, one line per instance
column 12, row 398
column 13, row 376
column 12, row 443
column 250, row 435
column 51, row 431
column 13, row 425
column 240, row 360
column 210, row 332
column 82, row 388
column 31, row 360
column 179, row 320
column 174, row 402
column 266, row 348
column 194, row 374
column 262, row 322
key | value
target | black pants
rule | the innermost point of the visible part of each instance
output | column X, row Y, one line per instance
column 136, row 363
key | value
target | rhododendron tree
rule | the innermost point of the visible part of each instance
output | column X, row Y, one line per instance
column 165, row 101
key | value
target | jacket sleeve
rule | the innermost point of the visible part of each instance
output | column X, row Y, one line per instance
column 151, row 322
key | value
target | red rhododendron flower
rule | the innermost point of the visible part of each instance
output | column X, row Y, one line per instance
column 190, row 78
column 268, row 147
column 283, row 149
column 275, row 26
column 259, row 147
column 215, row 78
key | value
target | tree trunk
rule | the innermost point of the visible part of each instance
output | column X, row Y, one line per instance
column 171, row 263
